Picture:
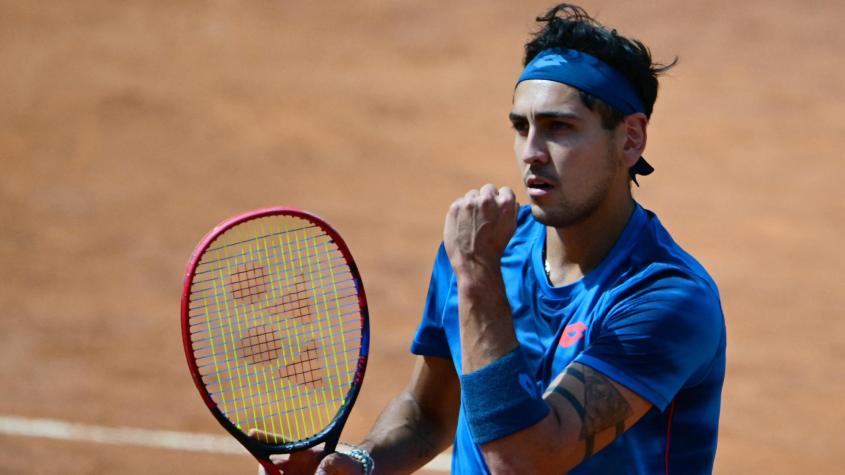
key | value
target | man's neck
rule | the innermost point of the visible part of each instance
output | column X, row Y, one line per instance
column 572, row 252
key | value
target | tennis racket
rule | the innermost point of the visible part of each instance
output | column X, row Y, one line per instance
column 276, row 330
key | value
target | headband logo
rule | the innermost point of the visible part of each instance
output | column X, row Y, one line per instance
column 550, row 61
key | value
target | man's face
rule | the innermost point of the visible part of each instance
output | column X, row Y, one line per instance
column 569, row 162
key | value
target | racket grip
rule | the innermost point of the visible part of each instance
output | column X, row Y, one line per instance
column 266, row 463
column 269, row 468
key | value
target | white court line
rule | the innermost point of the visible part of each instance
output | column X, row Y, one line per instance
column 158, row 439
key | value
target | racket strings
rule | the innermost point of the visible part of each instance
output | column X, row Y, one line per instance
column 253, row 239
column 261, row 345
column 276, row 259
column 286, row 354
column 284, row 367
column 337, row 266
column 346, row 296
column 203, row 351
column 199, row 311
column 234, row 396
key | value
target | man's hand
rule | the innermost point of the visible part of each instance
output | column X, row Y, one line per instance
column 312, row 461
column 478, row 228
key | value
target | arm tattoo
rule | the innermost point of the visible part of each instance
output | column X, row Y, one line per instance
column 421, row 431
column 575, row 373
column 604, row 407
column 582, row 414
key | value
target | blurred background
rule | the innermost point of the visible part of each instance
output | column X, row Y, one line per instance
column 129, row 129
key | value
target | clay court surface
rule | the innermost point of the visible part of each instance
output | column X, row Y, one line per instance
column 128, row 129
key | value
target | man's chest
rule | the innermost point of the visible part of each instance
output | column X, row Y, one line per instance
column 551, row 331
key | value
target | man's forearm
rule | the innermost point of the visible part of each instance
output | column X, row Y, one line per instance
column 485, row 318
column 404, row 438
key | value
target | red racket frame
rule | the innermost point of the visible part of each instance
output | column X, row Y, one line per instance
column 329, row 434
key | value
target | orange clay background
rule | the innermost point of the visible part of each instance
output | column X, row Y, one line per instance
column 129, row 129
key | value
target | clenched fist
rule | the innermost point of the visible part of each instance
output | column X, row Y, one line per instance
column 478, row 228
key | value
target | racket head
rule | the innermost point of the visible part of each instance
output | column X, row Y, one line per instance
column 275, row 329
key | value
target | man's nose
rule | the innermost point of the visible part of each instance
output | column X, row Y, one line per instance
column 533, row 149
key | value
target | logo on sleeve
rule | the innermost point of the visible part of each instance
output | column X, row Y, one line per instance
column 571, row 334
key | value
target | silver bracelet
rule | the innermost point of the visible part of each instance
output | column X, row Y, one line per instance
column 359, row 455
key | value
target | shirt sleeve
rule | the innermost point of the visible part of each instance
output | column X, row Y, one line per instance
column 430, row 339
column 660, row 338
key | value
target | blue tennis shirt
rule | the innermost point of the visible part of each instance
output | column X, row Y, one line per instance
column 648, row 317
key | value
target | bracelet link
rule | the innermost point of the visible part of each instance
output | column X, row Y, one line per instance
column 359, row 455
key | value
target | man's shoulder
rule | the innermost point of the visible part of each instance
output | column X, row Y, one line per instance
column 669, row 296
column 666, row 280
column 656, row 260
column 656, row 272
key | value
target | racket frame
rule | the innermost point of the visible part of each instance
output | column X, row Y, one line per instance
column 331, row 433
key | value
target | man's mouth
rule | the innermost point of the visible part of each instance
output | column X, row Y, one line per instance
column 538, row 187
column 537, row 183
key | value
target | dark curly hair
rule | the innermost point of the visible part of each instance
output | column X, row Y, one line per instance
column 570, row 27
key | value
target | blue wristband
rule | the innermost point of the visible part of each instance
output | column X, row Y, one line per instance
column 501, row 398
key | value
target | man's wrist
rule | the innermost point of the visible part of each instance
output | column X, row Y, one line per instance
column 478, row 278
column 501, row 398
column 360, row 455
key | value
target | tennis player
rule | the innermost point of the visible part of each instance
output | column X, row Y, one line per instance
column 570, row 335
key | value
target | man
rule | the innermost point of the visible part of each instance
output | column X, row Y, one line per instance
column 572, row 334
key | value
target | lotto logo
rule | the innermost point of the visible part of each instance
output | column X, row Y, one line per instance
column 571, row 334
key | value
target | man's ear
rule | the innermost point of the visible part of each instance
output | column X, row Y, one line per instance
column 635, row 128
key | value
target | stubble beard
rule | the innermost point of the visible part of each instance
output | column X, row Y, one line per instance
column 566, row 213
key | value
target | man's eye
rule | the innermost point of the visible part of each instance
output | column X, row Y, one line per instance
column 559, row 125
column 521, row 127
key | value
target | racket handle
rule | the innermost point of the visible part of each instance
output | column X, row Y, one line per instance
column 269, row 468
column 331, row 444
column 267, row 438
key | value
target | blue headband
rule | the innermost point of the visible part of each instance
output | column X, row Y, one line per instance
column 586, row 73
